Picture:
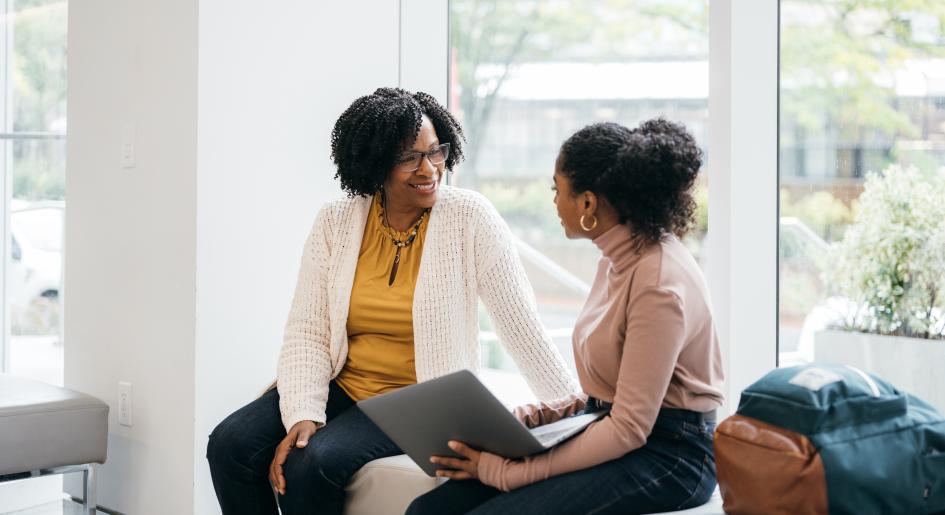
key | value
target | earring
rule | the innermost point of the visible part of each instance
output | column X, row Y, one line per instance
column 591, row 228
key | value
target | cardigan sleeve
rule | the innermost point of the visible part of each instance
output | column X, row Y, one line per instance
column 510, row 301
column 304, row 368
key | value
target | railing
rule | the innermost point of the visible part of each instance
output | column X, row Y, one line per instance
column 816, row 248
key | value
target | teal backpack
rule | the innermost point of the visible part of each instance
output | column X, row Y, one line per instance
column 831, row 439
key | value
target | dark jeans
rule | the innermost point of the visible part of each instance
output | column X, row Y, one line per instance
column 242, row 447
column 674, row 470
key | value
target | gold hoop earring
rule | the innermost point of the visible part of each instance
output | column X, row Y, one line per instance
column 591, row 228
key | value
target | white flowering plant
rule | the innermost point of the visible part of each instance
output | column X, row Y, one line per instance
column 891, row 261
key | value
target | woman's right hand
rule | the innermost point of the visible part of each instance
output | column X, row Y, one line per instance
column 298, row 437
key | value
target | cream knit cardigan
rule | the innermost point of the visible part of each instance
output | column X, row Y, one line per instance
column 468, row 254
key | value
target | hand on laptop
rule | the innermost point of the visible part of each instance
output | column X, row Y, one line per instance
column 298, row 437
column 466, row 467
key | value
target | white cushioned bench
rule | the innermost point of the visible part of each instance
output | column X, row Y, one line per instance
column 389, row 485
column 46, row 429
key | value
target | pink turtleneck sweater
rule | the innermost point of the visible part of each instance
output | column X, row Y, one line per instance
column 644, row 340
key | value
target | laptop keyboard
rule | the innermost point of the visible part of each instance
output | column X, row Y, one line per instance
column 547, row 439
column 550, row 433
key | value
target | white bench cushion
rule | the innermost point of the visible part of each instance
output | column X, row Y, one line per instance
column 44, row 426
column 389, row 485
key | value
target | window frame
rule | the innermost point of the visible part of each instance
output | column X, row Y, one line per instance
column 7, row 138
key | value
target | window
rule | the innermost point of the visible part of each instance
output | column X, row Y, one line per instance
column 34, row 152
column 527, row 74
column 32, row 195
column 862, row 158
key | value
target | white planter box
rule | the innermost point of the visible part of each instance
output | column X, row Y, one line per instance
column 913, row 365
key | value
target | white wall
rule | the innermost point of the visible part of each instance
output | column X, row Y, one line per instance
column 179, row 273
column 272, row 82
column 131, row 239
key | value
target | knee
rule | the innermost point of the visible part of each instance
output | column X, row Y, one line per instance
column 219, row 443
column 229, row 441
column 420, row 506
column 317, row 467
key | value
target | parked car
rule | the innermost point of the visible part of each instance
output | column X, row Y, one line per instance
column 35, row 270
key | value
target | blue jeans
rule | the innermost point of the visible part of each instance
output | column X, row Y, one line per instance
column 674, row 470
column 241, row 448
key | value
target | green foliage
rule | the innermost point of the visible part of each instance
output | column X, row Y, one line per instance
column 525, row 204
column 701, row 194
column 40, row 175
column 39, row 60
column 891, row 260
column 38, row 98
column 490, row 37
column 822, row 212
column 838, row 58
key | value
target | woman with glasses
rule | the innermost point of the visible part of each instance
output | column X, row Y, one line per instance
column 387, row 296
column 644, row 345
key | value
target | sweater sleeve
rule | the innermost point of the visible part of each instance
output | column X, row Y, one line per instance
column 539, row 414
column 655, row 336
column 304, row 368
column 510, row 300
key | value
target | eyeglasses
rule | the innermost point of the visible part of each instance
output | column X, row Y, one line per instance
column 411, row 162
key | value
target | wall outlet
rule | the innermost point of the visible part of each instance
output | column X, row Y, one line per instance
column 124, row 403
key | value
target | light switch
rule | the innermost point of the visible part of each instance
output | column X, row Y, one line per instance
column 128, row 146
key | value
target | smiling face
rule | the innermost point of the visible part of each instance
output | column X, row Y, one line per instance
column 408, row 190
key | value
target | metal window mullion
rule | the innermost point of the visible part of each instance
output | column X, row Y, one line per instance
column 6, row 41
column 32, row 136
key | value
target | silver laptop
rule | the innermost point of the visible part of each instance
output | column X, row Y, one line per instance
column 422, row 418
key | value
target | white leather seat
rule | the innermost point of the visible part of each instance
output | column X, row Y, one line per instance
column 46, row 429
column 387, row 485
column 713, row 507
column 44, row 426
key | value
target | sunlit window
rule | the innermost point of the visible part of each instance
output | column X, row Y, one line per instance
column 527, row 74
column 862, row 151
column 34, row 158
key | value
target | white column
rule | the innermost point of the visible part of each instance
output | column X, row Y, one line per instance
column 743, row 179
column 266, row 108
column 425, row 47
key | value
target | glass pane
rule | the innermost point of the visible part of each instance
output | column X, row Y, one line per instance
column 35, row 269
column 34, row 156
column 38, row 96
column 862, row 152
column 526, row 75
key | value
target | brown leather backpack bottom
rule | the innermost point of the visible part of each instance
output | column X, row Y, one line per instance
column 764, row 469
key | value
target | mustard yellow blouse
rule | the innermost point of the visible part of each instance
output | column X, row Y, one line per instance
column 380, row 317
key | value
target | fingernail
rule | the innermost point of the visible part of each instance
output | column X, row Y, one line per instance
column 432, row 460
column 452, row 445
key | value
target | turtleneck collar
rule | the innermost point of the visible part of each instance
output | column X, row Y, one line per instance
column 620, row 246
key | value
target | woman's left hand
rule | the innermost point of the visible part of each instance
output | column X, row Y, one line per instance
column 466, row 467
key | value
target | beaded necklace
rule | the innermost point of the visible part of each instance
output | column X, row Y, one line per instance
column 398, row 243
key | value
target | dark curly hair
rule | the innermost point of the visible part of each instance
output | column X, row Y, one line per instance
column 372, row 133
column 646, row 173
